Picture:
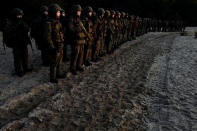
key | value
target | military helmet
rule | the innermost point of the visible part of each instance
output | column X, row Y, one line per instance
column 17, row 11
column 118, row 13
column 101, row 11
column 43, row 8
column 107, row 13
column 123, row 14
column 113, row 12
column 53, row 9
column 76, row 8
column 88, row 9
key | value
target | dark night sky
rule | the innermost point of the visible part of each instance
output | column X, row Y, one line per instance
column 162, row 9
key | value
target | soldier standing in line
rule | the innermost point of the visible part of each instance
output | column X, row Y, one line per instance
column 64, row 22
column 109, row 30
column 15, row 36
column 131, row 27
column 78, row 39
column 102, row 44
column 37, row 34
column 88, row 24
column 135, row 27
column 98, row 29
column 54, row 37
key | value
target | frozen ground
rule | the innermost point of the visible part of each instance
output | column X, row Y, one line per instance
column 173, row 79
column 147, row 84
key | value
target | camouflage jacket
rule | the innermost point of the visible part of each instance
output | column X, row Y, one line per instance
column 99, row 28
column 77, row 30
column 53, row 34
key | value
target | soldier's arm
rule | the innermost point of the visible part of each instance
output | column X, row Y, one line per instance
column 73, row 28
column 47, row 35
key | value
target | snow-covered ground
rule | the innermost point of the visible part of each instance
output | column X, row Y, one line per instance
column 173, row 79
column 147, row 84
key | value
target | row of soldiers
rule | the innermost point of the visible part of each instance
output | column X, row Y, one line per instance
column 90, row 35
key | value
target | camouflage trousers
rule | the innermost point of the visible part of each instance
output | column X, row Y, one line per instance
column 109, row 44
column 97, row 48
column 102, row 47
column 55, row 65
column 20, row 60
column 77, row 56
column 88, row 51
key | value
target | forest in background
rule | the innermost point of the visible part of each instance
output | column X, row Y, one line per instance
column 161, row 9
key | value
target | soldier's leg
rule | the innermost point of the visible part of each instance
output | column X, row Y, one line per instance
column 25, row 59
column 104, row 46
column 97, row 49
column 89, row 51
column 88, row 56
column 101, row 48
column 18, row 62
column 75, row 56
column 59, row 65
column 65, row 55
column 85, row 52
column 108, row 46
column 53, row 67
column 80, row 57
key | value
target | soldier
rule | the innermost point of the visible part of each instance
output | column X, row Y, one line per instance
column 64, row 22
column 102, row 43
column 105, row 41
column 54, row 37
column 117, row 29
column 131, row 27
column 16, row 37
column 98, row 29
column 135, row 27
column 37, row 33
column 109, row 30
column 88, row 23
column 78, row 37
column 113, row 26
column 127, row 27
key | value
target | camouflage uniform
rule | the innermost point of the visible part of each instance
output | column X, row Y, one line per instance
column 98, row 29
column 54, row 37
column 113, row 29
column 64, row 22
column 88, row 24
column 109, row 31
column 77, row 29
column 118, row 27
